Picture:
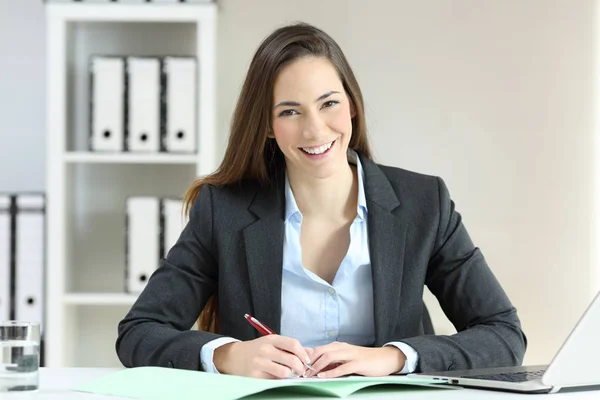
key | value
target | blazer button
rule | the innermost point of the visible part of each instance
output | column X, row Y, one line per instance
column 170, row 364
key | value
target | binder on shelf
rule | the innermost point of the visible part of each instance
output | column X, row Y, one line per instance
column 143, row 232
column 30, row 257
column 179, row 104
column 6, row 227
column 143, row 104
column 107, row 75
column 172, row 223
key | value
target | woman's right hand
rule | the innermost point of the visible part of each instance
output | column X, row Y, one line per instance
column 271, row 357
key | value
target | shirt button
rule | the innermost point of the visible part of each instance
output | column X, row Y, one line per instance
column 331, row 290
column 331, row 333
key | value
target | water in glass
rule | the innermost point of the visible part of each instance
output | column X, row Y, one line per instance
column 19, row 360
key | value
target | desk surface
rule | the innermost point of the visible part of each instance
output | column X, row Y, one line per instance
column 57, row 384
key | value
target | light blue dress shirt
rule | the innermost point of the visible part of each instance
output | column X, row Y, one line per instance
column 315, row 312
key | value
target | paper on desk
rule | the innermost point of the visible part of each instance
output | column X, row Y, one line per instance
column 154, row 383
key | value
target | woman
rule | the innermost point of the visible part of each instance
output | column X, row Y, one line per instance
column 301, row 229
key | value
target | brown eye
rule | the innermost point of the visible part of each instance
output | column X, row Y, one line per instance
column 286, row 113
column 330, row 103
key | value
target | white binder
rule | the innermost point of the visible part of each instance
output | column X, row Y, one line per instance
column 143, row 104
column 30, row 258
column 173, row 222
column 5, row 257
column 179, row 102
column 107, row 103
column 143, row 250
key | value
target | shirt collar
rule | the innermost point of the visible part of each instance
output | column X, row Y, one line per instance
column 291, row 208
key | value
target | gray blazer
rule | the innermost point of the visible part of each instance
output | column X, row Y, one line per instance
column 233, row 246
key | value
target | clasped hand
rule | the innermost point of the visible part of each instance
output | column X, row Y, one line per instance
column 275, row 356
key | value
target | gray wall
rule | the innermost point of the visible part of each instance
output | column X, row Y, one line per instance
column 22, row 96
column 497, row 97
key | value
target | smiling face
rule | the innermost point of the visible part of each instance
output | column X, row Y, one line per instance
column 312, row 118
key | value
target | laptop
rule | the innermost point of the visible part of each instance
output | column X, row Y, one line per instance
column 574, row 367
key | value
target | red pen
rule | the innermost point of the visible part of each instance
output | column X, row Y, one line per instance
column 262, row 328
column 265, row 330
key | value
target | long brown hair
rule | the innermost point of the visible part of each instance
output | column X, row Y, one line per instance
column 250, row 154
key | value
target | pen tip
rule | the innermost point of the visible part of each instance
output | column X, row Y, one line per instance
column 246, row 315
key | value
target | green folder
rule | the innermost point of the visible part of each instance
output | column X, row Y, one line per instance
column 153, row 383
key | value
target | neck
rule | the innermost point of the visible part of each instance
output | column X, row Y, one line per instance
column 332, row 198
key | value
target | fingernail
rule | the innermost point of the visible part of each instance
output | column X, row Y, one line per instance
column 308, row 360
column 319, row 375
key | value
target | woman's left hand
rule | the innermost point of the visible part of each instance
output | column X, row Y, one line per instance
column 338, row 359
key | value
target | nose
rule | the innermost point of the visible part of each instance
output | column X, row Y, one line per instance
column 313, row 126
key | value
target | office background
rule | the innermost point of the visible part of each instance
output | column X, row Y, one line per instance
column 497, row 97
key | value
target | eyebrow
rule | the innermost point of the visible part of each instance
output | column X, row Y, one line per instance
column 296, row 104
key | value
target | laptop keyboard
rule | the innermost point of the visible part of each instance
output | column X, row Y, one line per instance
column 511, row 376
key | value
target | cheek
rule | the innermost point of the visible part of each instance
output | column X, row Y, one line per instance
column 285, row 130
column 341, row 121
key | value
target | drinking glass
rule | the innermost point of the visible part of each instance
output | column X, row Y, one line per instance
column 19, row 356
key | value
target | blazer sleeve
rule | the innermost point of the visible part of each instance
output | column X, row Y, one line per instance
column 156, row 331
column 489, row 330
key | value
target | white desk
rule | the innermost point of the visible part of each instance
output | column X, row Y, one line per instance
column 57, row 384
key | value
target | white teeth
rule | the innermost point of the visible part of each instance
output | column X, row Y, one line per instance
column 318, row 150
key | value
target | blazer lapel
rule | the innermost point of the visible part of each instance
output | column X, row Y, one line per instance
column 387, row 237
column 264, row 254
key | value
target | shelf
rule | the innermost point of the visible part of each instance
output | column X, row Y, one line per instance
column 132, row 12
column 99, row 299
column 86, row 219
column 129, row 158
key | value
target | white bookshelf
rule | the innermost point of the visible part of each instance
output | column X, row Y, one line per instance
column 83, row 157
column 86, row 191
column 99, row 299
